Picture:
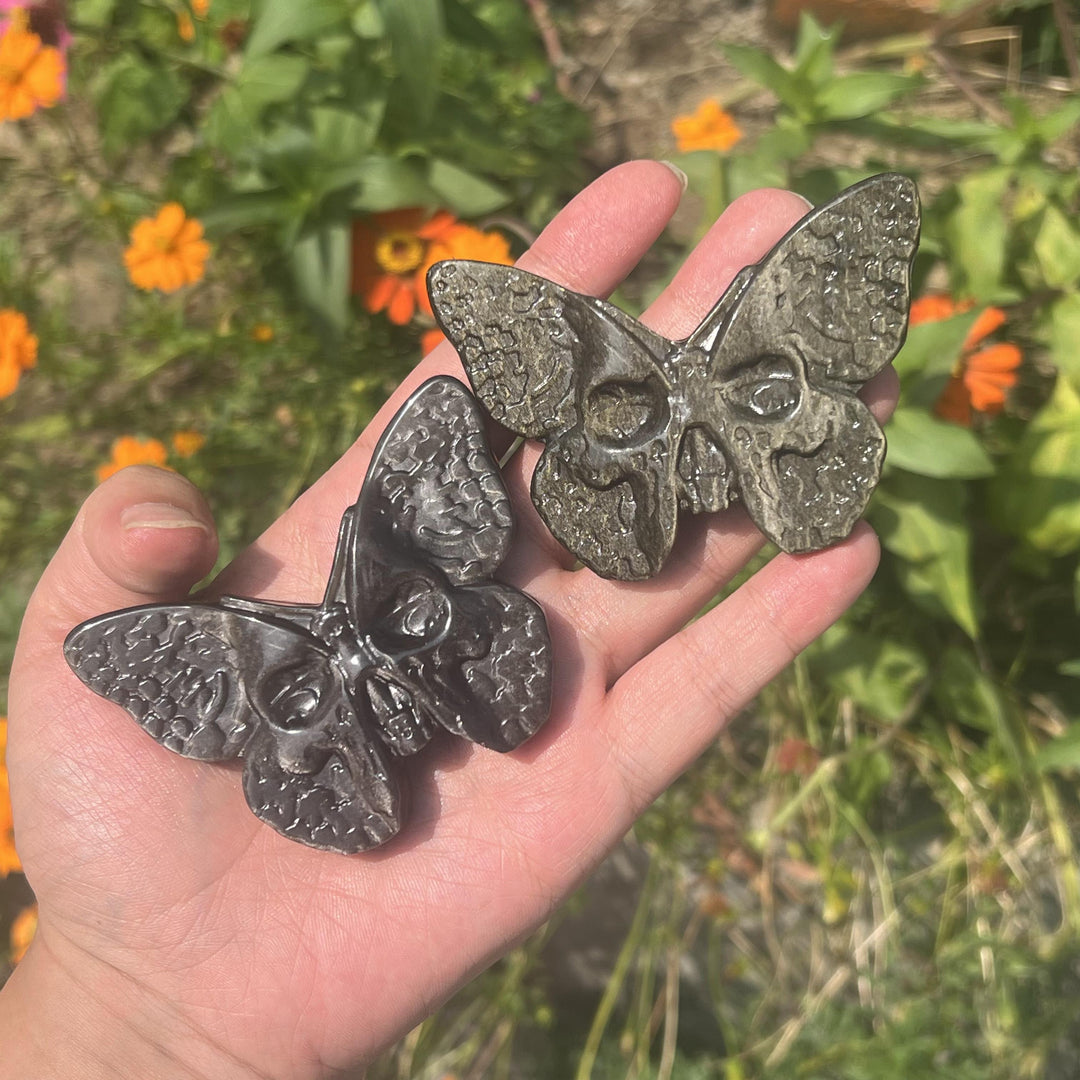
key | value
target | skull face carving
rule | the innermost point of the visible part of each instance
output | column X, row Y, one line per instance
column 322, row 701
column 758, row 405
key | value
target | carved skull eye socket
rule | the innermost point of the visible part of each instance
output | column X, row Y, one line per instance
column 417, row 612
column 622, row 413
column 767, row 389
column 292, row 695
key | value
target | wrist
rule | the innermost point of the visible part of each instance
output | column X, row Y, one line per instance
column 67, row 1016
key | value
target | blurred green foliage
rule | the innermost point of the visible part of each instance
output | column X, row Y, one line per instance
column 873, row 874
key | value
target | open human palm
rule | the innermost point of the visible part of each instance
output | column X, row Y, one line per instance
column 179, row 936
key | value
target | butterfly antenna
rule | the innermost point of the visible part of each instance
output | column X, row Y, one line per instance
column 515, row 446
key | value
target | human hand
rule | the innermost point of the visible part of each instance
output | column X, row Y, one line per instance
column 178, row 936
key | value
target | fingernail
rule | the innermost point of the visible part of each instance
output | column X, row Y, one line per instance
column 159, row 516
column 683, row 181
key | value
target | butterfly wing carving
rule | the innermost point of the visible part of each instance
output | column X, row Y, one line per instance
column 759, row 403
column 819, row 316
column 590, row 380
column 432, row 525
column 318, row 700
column 240, row 679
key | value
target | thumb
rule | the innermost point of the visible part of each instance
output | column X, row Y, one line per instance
column 144, row 535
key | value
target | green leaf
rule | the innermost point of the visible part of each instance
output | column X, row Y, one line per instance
column 266, row 80
column 879, row 674
column 862, row 93
column 977, row 232
column 345, row 134
column 95, row 14
column 462, row 25
column 925, row 445
column 922, row 521
column 763, row 69
column 814, row 49
column 932, row 348
column 389, row 183
column 964, row 692
column 320, row 266
column 281, row 21
column 1061, row 753
column 246, row 211
column 415, row 29
column 1057, row 250
column 1059, row 122
column 137, row 100
column 1064, row 335
column 461, row 191
column 367, row 21
column 1036, row 494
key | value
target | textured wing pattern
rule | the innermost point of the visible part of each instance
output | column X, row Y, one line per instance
column 508, row 688
column 837, row 287
column 350, row 803
column 510, row 330
column 804, row 500
column 435, row 486
column 613, row 531
column 174, row 670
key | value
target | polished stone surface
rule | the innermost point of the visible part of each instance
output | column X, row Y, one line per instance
column 757, row 406
column 412, row 635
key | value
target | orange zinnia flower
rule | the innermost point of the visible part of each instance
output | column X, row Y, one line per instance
column 185, row 27
column 201, row 8
column 431, row 339
column 127, row 450
column 392, row 253
column 22, row 932
column 18, row 349
column 31, row 73
column 9, row 857
column 188, row 443
column 167, row 251
column 981, row 378
column 710, row 128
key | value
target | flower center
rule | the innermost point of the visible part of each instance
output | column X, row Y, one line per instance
column 399, row 252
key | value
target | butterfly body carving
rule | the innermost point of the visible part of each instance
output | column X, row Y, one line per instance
column 758, row 405
column 412, row 635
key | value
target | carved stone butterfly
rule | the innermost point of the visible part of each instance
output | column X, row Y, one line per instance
column 411, row 635
column 758, row 404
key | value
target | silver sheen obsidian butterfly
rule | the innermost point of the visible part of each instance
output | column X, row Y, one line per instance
column 758, row 404
column 411, row 635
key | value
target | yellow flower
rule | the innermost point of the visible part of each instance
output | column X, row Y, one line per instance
column 710, row 128
column 18, row 349
column 9, row 857
column 31, row 73
column 128, row 450
column 22, row 932
column 185, row 27
column 188, row 443
column 393, row 251
column 167, row 251
column 262, row 333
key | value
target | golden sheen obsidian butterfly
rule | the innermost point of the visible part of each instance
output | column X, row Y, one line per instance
column 411, row 635
column 758, row 404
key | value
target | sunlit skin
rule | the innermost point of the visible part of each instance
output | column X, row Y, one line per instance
column 179, row 937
